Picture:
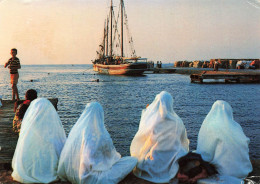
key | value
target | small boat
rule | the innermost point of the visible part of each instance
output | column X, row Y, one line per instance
column 111, row 58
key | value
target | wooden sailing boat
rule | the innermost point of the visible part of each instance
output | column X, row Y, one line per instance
column 108, row 61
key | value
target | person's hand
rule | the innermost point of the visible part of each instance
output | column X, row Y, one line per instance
column 182, row 177
column 201, row 175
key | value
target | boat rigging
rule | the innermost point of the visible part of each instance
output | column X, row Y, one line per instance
column 111, row 56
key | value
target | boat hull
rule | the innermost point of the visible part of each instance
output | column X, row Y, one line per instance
column 121, row 69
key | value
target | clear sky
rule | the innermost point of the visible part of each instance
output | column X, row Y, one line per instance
column 69, row 31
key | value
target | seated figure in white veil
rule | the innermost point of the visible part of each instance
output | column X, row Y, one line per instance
column 89, row 156
column 222, row 142
column 39, row 146
column 160, row 141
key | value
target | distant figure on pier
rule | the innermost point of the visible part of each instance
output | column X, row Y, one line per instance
column 38, row 149
column 89, row 155
column 216, row 65
column 222, row 142
column 227, row 65
column 30, row 95
column 14, row 64
column 160, row 141
column 159, row 64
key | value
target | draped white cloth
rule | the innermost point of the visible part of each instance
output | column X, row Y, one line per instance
column 160, row 141
column 222, row 142
column 38, row 149
column 89, row 155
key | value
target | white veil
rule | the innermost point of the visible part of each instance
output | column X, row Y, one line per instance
column 222, row 142
column 89, row 146
column 160, row 141
column 39, row 145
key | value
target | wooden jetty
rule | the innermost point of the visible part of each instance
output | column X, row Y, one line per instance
column 226, row 76
column 8, row 138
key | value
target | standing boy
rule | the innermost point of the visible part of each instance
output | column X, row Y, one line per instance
column 14, row 64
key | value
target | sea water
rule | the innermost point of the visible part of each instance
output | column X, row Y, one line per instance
column 124, row 97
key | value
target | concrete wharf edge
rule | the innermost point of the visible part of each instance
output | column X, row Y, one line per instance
column 8, row 138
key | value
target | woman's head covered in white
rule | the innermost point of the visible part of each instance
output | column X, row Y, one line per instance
column 41, row 140
column 89, row 146
column 160, row 141
column 222, row 142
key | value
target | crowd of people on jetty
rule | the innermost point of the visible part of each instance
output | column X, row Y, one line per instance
column 159, row 150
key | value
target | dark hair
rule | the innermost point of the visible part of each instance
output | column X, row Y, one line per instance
column 192, row 164
column 31, row 94
column 14, row 49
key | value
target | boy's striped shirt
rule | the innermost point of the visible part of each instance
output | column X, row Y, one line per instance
column 14, row 63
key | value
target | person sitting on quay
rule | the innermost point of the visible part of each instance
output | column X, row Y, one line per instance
column 14, row 64
column 39, row 145
column 89, row 155
column 222, row 142
column 160, row 141
column 30, row 95
column 192, row 168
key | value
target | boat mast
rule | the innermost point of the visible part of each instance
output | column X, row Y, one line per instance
column 122, row 25
column 104, row 41
column 107, row 37
column 111, row 24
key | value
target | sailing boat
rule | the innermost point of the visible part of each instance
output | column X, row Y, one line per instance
column 110, row 62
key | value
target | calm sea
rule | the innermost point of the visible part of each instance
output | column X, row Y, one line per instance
column 123, row 99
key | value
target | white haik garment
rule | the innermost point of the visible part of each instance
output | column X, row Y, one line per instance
column 222, row 142
column 89, row 156
column 160, row 141
column 38, row 149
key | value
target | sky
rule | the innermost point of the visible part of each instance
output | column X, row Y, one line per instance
column 70, row 31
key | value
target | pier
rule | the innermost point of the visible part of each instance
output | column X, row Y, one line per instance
column 8, row 138
column 201, row 74
column 226, row 76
